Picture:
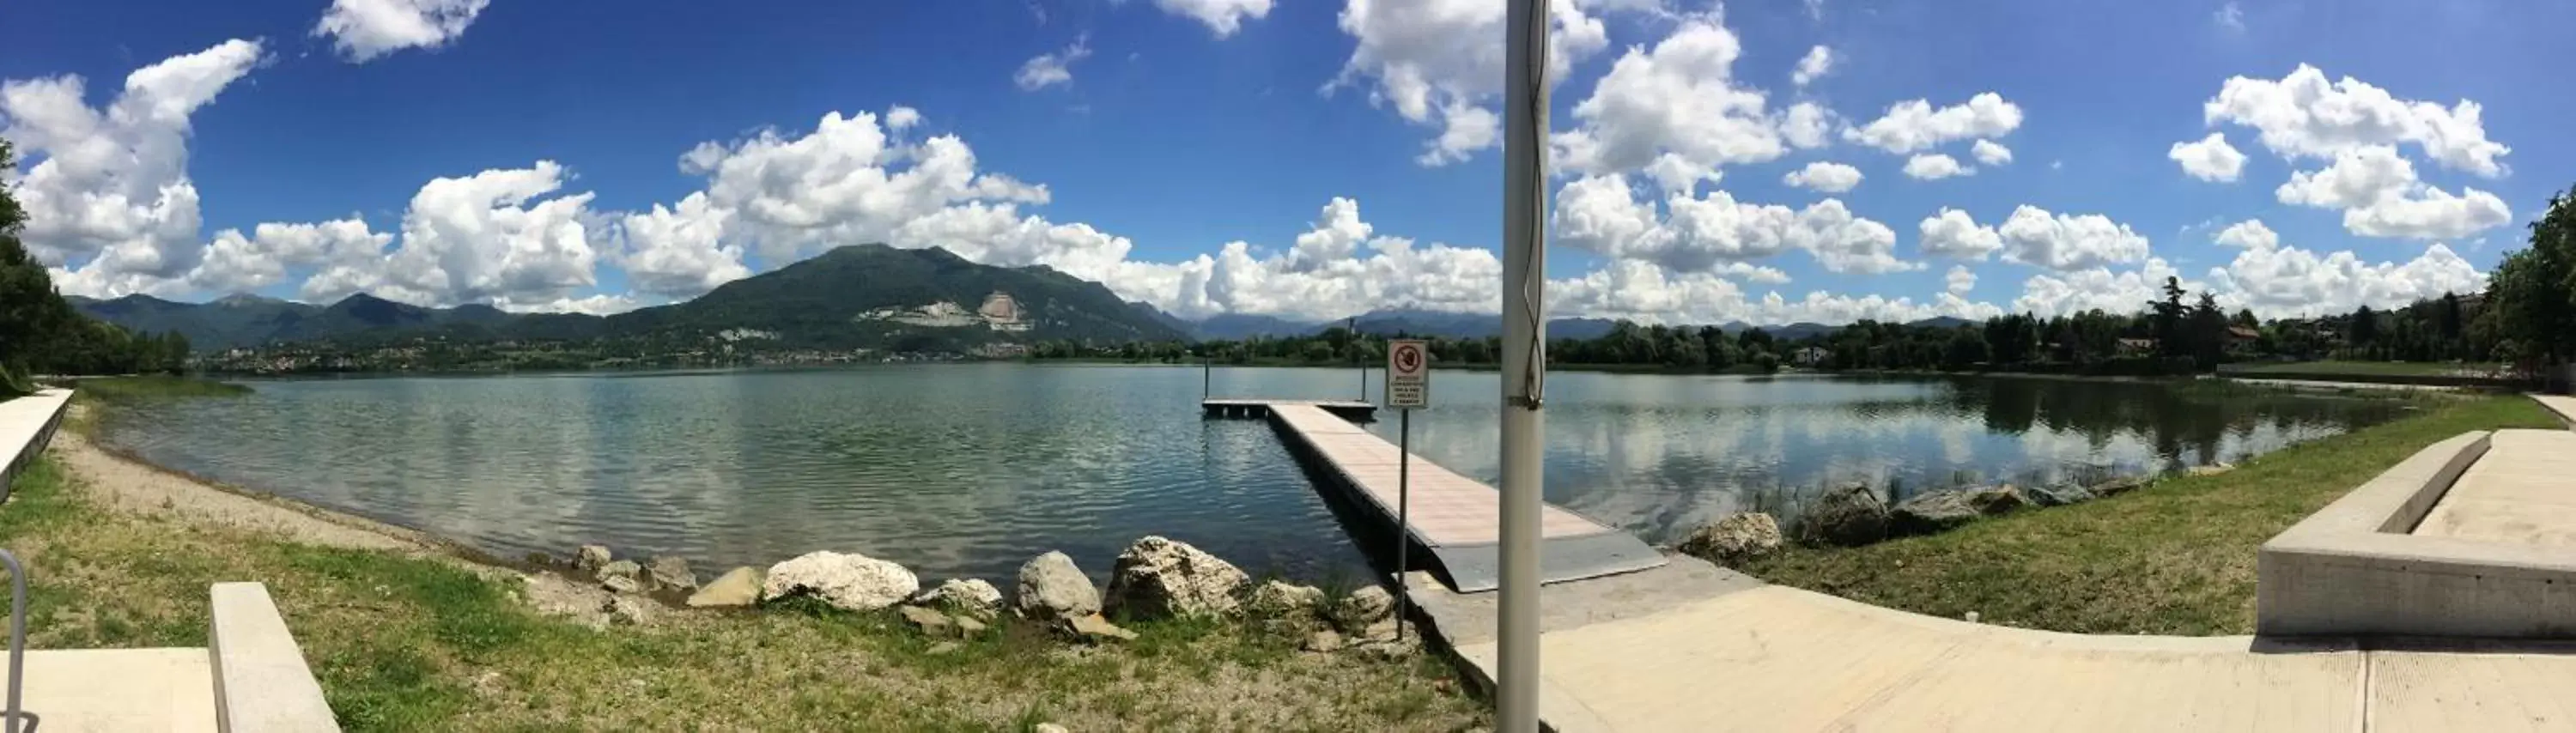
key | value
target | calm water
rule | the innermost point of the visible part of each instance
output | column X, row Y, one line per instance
column 971, row 469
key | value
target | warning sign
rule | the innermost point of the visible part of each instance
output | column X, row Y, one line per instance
column 1408, row 374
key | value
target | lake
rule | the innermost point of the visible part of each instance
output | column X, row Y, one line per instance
column 970, row 469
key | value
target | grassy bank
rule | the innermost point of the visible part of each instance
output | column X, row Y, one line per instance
column 127, row 389
column 2176, row 557
column 2368, row 368
column 421, row 641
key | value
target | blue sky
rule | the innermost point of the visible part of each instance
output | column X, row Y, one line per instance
column 394, row 146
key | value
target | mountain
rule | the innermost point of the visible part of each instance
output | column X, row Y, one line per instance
column 1239, row 326
column 863, row 296
column 1942, row 322
column 856, row 296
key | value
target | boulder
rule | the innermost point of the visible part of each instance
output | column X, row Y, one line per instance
column 967, row 626
column 849, row 581
column 2061, row 495
column 591, row 558
column 737, row 587
column 1734, row 539
column 1162, row 578
column 625, row 610
column 1848, row 516
column 1363, row 608
column 1051, row 588
column 670, row 573
column 1275, row 597
column 1323, row 640
column 2210, row 470
column 930, row 622
column 2118, row 486
column 969, row 597
column 1997, row 500
column 1049, row 728
column 1094, row 629
column 623, row 576
column 1285, row 606
column 1933, row 512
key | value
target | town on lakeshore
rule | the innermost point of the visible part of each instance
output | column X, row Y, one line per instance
column 1823, row 366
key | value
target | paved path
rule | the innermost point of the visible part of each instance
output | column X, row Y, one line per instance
column 2564, row 405
column 106, row 690
column 2523, row 492
column 1457, row 519
column 1754, row 657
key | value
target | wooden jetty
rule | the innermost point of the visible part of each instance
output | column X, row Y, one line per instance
column 1455, row 519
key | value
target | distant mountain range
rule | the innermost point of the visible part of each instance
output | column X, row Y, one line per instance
column 861, row 296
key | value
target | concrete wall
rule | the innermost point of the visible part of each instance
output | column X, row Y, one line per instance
column 2353, row 568
column 27, row 425
column 261, row 681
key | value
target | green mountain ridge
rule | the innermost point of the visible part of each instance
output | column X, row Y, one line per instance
column 846, row 298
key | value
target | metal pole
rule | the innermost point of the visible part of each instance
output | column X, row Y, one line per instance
column 1403, row 515
column 1207, row 377
column 17, row 639
column 1524, row 361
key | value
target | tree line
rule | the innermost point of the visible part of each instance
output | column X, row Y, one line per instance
column 40, row 333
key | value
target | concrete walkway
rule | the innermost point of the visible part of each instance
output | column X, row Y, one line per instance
column 26, row 424
column 2563, row 405
column 1754, row 657
column 2522, row 492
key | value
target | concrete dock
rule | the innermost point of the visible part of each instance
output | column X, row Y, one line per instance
column 1454, row 519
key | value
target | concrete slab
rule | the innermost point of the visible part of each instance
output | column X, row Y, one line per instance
column 260, row 680
column 2522, row 492
column 1782, row 659
column 2487, row 686
column 2563, row 405
column 119, row 690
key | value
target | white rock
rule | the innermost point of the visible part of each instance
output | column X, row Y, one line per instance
column 1052, row 588
column 1162, row 578
column 851, row 581
column 971, row 596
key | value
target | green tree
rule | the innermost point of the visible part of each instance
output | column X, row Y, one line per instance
column 2533, row 291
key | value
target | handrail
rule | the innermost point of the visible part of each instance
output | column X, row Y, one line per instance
column 17, row 645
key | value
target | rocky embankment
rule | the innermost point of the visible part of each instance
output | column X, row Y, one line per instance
column 1854, row 515
column 1154, row 579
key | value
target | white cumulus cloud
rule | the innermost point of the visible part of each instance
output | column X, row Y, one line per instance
column 2303, row 115
column 2209, row 158
column 1934, row 166
column 1678, row 97
column 365, row 29
column 1700, row 234
column 1990, row 152
column 1222, row 17
column 1439, row 63
column 108, row 199
column 1818, row 62
column 1824, row 176
column 1959, row 280
column 2032, row 236
column 1914, row 125
column 1952, row 233
column 2381, row 197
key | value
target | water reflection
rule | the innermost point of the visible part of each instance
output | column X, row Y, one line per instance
column 968, row 470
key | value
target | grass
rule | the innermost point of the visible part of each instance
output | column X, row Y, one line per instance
column 127, row 389
column 2176, row 557
column 2370, row 368
column 427, row 642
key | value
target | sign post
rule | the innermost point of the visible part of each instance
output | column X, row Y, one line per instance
column 1408, row 387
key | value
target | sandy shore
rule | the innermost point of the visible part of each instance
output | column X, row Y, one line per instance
column 128, row 484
